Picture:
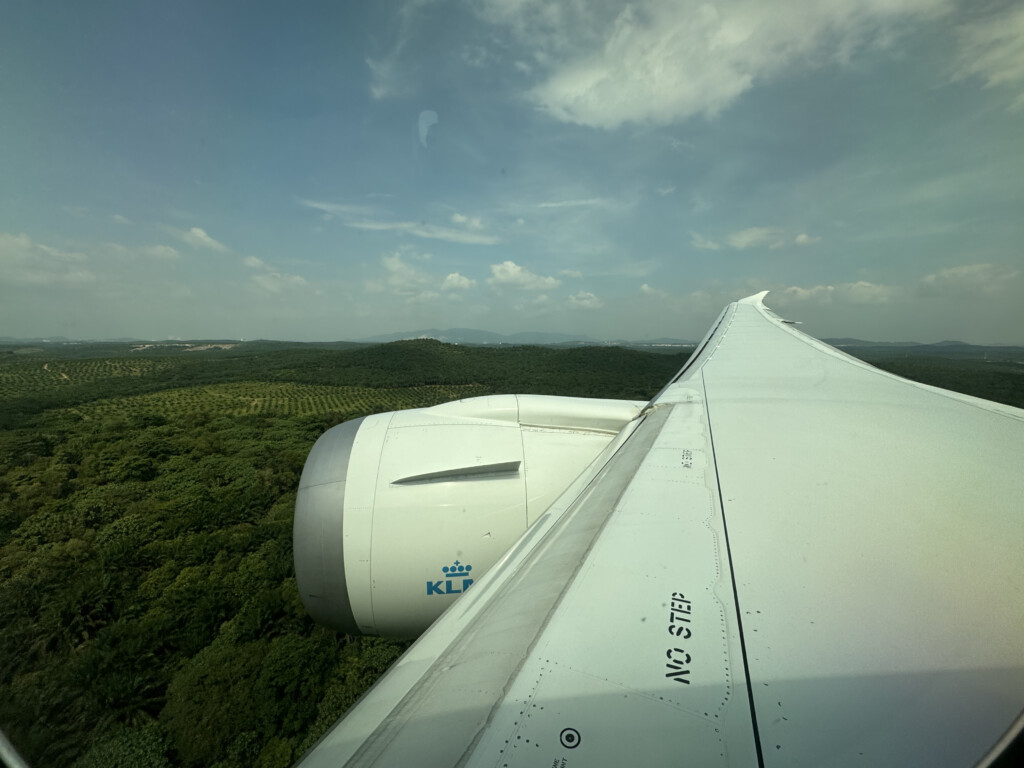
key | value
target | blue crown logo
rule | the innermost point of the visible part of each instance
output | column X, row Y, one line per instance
column 457, row 569
column 456, row 580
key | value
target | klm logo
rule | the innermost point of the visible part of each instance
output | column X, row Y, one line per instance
column 456, row 580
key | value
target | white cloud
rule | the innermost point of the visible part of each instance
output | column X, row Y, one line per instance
column 756, row 237
column 666, row 191
column 160, row 252
column 647, row 290
column 385, row 78
column 403, row 278
column 197, row 238
column 860, row 292
column 25, row 262
column 476, row 56
column 584, row 300
column 536, row 304
column 510, row 274
column 457, row 282
column 364, row 217
column 428, row 231
column 339, row 210
column 469, row 222
column 863, row 292
column 968, row 280
column 663, row 61
column 427, row 120
column 589, row 202
column 413, row 284
column 277, row 282
column 423, row 297
column 164, row 252
column 117, row 217
column 388, row 77
column 573, row 273
column 820, row 294
column 700, row 242
column 992, row 49
column 271, row 280
column 804, row 239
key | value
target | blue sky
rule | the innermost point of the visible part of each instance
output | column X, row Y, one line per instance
column 317, row 171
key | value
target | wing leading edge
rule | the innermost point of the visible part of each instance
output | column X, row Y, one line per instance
column 789, row 557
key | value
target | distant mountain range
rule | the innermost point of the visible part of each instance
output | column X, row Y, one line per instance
column 861, row 343
column 472, row 336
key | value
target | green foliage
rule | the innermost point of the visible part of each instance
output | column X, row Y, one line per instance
column 148, row 609
column 141, row 747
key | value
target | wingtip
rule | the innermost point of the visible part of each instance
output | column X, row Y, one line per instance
column 757, row 299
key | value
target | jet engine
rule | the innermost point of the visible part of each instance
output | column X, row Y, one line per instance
column 399, row 513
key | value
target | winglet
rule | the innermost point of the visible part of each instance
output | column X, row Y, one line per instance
column 757, row 299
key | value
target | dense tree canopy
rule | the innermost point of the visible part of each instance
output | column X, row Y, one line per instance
column 148, row 608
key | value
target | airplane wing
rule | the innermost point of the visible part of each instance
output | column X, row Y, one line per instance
column 790, row 558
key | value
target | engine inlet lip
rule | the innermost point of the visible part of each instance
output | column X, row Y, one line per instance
column 318, row 529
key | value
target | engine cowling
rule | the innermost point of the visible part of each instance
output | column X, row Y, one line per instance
column 399, row 513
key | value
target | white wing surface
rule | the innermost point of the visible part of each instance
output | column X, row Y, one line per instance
column 791, row 558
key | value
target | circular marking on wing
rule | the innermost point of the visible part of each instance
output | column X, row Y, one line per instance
column 570, row 738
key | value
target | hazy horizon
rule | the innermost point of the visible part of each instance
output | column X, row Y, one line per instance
column 427, row 333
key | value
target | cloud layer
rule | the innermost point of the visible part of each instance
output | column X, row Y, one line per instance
column 508, row 274
column 663, row 61
column 992, row 49
column 25, row 262
column 197, row 238
column 368, row 218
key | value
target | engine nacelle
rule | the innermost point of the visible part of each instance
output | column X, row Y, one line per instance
column 399, row 513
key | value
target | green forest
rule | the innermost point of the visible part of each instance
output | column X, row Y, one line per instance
column 148, row 609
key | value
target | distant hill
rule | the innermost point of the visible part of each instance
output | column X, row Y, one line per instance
column 489, row 338
column 66, row 340
column 12, row 340
column 847, row 342
column 472, row 336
